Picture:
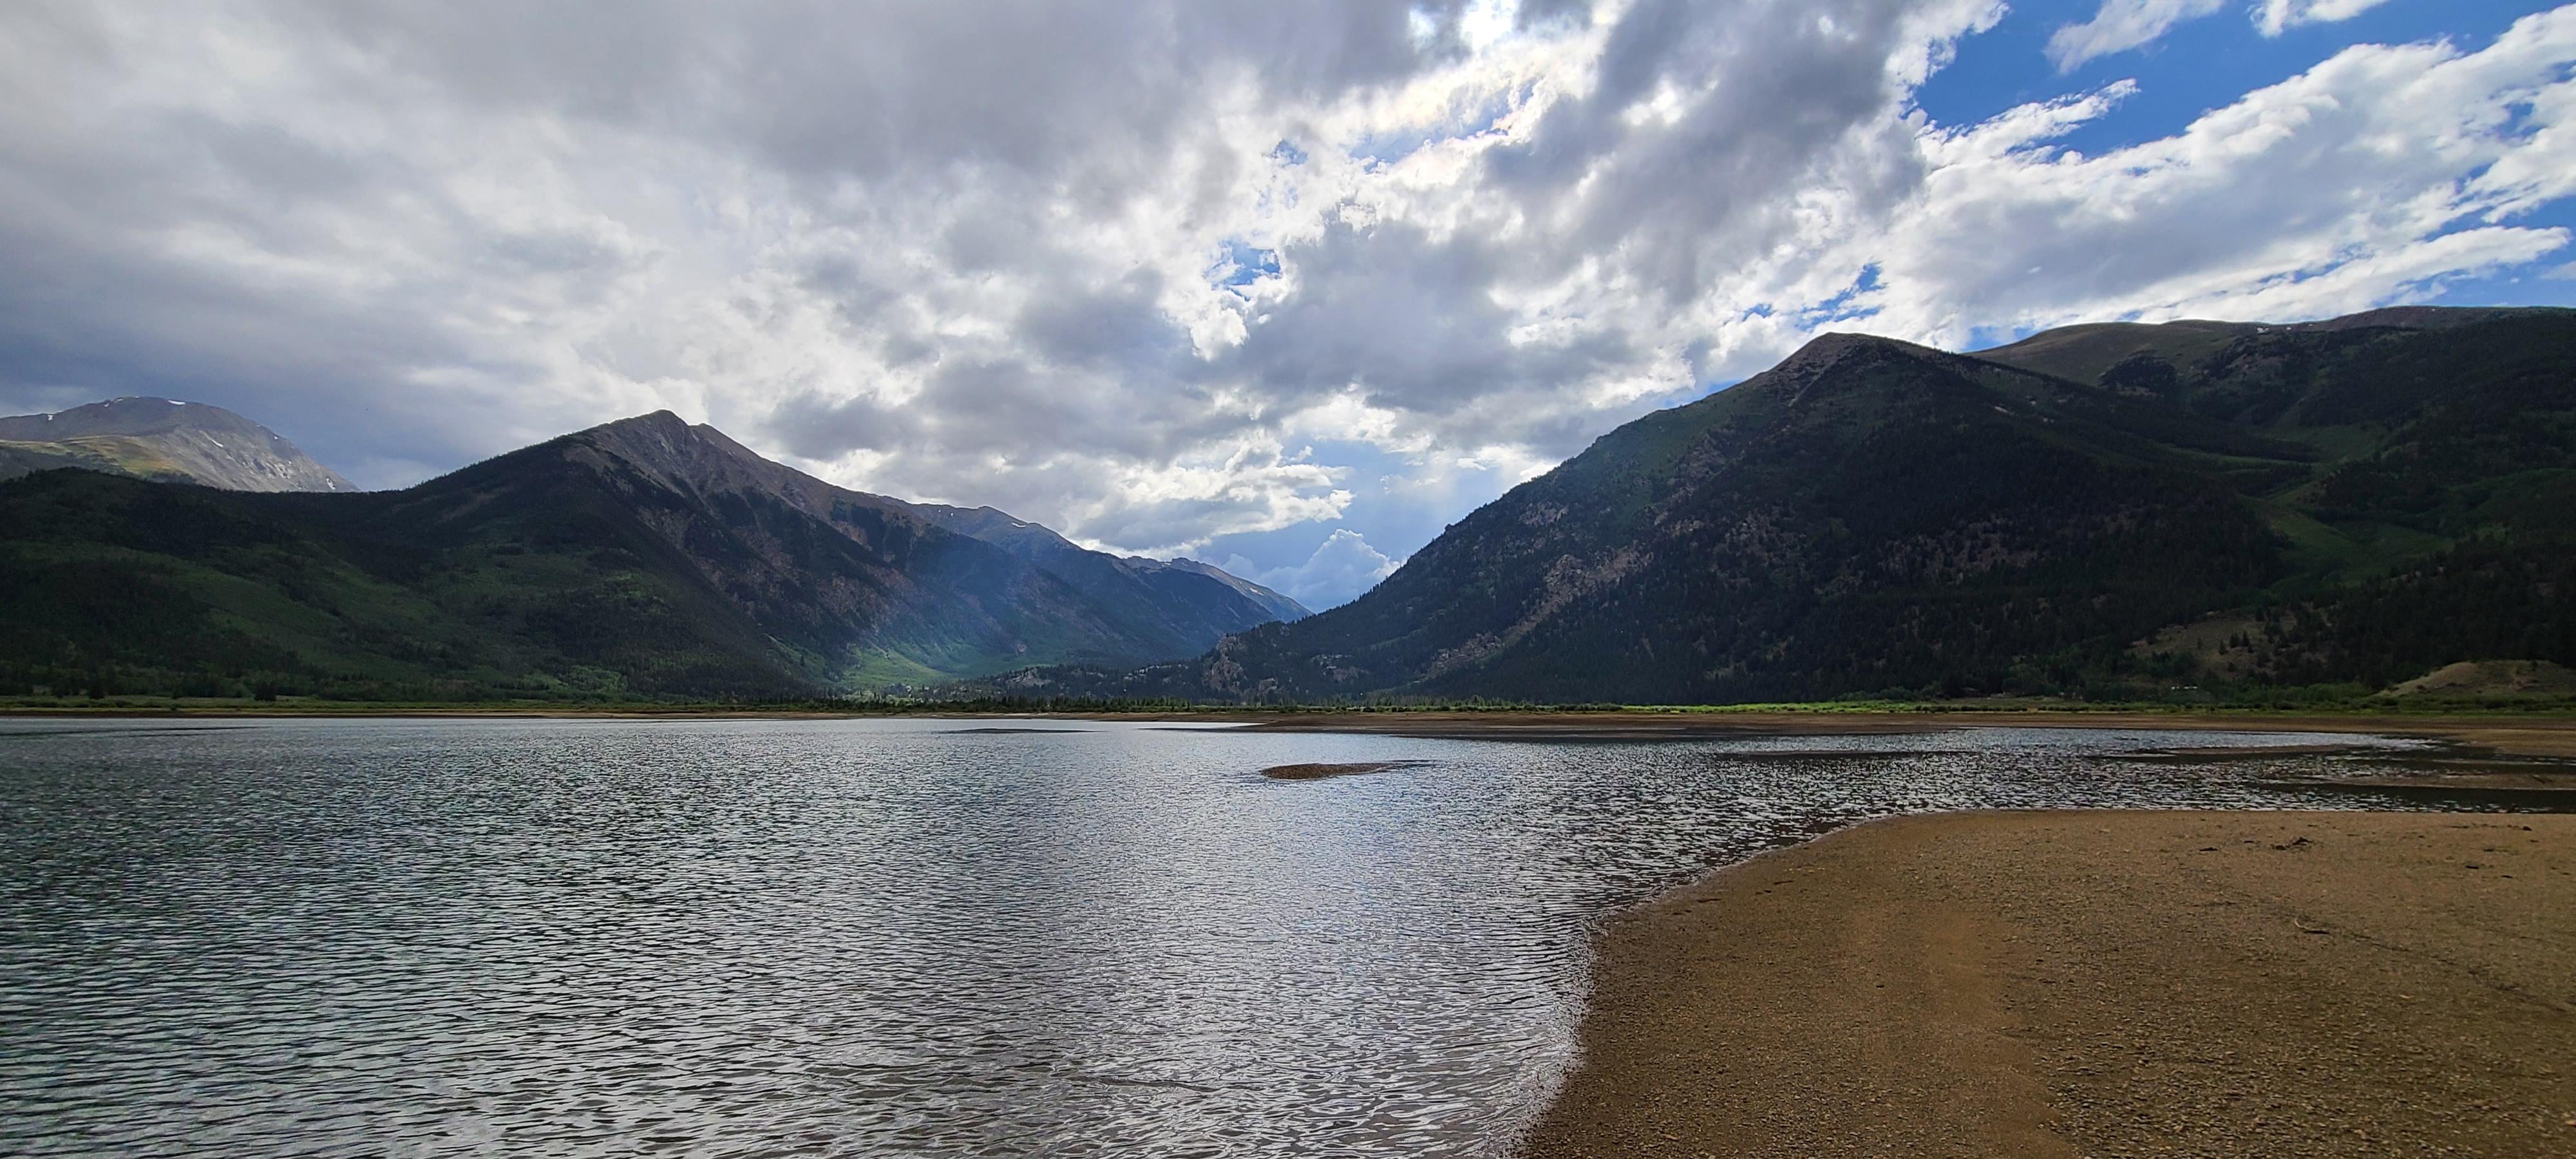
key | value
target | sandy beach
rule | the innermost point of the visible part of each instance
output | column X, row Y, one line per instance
column 2097, row 984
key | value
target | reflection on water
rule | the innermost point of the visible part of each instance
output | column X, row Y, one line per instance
column 877, row 937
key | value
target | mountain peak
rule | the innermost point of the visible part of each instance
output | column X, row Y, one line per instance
column 131, row 415
column 971, row 589
column 163, row 438
column 1827, row 350
column 663, row 444
column 661, row 428
column 1827, row 360
column 664, row 423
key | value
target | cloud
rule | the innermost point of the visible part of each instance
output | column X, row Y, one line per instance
column 2120, row 25
column 1283, row 268
column 1342, row 567
column 2381, row 172
column 2272, row 17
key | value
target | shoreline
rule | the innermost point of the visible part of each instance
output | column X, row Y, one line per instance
column 2053, row 983
column 2471, row 736
column 2522, row 736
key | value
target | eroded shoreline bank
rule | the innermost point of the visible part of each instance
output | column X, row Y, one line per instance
column 2060, row 983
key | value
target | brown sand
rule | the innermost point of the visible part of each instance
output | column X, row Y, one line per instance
column 2096, row 984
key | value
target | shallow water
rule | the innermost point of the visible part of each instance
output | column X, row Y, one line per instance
column 882, row 936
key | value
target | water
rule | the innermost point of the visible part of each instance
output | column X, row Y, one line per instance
column 877, row 937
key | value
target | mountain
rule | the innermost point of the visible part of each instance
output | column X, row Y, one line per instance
column 1276, row 605
column 2101, row 510
column 1183, row 592
column 646, row 557
column 159, row 438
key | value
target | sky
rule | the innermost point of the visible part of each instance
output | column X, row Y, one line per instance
column 1283, row 287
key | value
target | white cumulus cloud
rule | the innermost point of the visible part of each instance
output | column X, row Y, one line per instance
column 2375, row 175
column 2120, row 25
column 1341, row 568
column 2273, row 17
column 1287, row 267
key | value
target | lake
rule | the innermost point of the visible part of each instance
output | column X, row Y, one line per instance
column 901, row 937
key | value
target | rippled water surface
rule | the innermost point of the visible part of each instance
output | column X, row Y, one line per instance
column 876, row 937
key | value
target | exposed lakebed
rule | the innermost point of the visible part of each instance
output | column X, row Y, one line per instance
column 743, row 937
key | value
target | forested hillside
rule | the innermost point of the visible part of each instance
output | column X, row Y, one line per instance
column 2103, row 511
column 644, row 558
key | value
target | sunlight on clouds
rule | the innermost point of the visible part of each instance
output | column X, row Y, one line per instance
column 1341, row 568
column 2272, row 17
column 418, row 235
column 2360, row 282
column 2121, row 25
column 1348, row 416
column 2022, row 127
column 1182, row 505
column 2168, row 228
column 1515, row 464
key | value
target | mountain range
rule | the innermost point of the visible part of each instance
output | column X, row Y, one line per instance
column 158, row 438
column 2116, row 510
column 2102, row 511
column 643, row 558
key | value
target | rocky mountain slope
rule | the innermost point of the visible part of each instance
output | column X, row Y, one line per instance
column 2106, row 510
column 159, row 438
column 646, row 557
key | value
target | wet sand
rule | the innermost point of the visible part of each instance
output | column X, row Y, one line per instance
column 2097, row 984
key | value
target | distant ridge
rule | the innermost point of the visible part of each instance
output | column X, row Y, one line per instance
column 2088, row 351
column 159, row 438
column 1174, row 584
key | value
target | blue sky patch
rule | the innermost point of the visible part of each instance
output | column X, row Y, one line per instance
column 1241, row 263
